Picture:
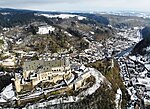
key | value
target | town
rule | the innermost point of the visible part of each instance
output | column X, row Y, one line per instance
column 45, row 73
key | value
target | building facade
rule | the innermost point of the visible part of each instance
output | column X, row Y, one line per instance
column 38, row 71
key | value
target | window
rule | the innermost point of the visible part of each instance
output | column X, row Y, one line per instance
column 82, row 83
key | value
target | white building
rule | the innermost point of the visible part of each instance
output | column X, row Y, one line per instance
column 45, row 29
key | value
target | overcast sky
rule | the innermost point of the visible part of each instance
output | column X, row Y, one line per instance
column 78, row 5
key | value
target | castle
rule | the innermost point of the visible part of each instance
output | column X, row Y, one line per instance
column 38, row 71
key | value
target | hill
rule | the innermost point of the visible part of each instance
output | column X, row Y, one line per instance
column 104, row 97
column 141, row 47
column 126, row 21
column 70, row 29
column 15, row 17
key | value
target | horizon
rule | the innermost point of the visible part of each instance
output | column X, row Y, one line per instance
column 79, row 6
column 80, row 11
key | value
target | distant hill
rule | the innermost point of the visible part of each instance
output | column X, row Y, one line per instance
column 12, row 17
column 126, row 21
column 140, row 48
column 96, row 18
column 146, row 33
column 71, row 29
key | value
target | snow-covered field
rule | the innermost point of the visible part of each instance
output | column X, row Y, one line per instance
column 5, row 13
column 63, row 16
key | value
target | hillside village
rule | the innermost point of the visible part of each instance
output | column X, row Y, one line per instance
column 40, row 75
column 47, row 63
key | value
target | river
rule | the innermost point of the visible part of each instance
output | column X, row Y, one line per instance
column 122, row 53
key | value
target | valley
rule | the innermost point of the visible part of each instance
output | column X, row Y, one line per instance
column 72, row 60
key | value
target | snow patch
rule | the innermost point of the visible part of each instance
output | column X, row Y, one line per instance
column 92, row 32
column 2, row 100
column 99, row 79
column 67, row 33
column 118, row 99
column 8, row 92
column 5, row 13
column 63, row 16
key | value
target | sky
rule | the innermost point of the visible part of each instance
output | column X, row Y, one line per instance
column 78, row 5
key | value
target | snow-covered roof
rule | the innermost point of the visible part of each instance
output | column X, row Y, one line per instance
column 8, row 92
column 8, row 63
column 134, row 97
column 2, row 100
column 147, row 66
column 82, row 67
